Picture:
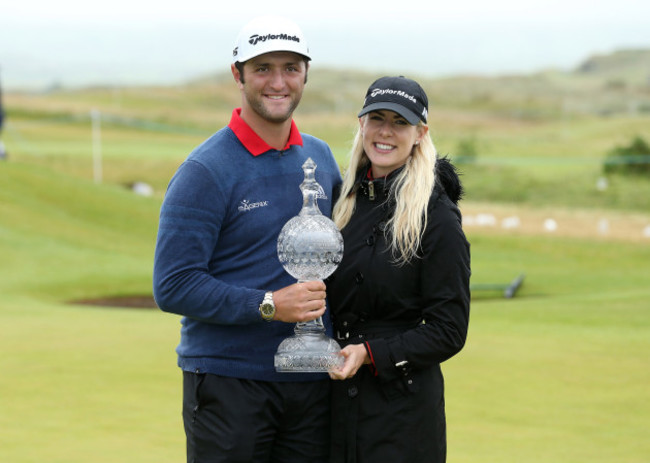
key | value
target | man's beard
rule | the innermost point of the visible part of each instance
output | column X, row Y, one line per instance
column 258, row 106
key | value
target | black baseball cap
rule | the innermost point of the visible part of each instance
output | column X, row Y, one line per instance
column 400, row 94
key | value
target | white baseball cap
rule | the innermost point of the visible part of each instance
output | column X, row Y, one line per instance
column 266, row 34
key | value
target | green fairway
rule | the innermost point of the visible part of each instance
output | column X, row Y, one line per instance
column 558, row 373
column 86, row 384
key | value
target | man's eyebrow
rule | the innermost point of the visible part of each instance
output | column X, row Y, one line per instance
column 268, row 63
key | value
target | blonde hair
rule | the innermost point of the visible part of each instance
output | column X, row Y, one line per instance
column 410, row 192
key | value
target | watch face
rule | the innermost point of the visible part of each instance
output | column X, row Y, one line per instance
column 267, row 310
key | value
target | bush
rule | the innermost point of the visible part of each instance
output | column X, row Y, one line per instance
column 632, row 159
column 466, row 151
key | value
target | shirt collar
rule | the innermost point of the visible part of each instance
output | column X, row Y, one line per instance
column 252, row 141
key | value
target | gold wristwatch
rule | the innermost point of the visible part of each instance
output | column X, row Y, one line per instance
column 267, row 307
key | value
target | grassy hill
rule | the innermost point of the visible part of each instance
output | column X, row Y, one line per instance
column 64, row 238
column 630, row 67
column 538, row 139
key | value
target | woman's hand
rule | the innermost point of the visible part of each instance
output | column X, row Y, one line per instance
column 355, row 356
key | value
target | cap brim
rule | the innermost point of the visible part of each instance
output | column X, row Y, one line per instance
column 406, row 113
column 270, row 49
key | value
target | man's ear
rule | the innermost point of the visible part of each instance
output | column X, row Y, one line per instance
column 237, row 75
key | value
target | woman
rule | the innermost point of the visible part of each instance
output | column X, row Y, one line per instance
column 400, row 297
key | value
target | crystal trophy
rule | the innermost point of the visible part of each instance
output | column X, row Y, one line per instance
column 310, row 247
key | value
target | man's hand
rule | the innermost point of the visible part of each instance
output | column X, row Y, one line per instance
column 300, row 302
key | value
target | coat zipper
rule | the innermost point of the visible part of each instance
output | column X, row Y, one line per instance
column 371, row 190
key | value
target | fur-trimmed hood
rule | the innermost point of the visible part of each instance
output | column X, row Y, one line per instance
column 448, row 179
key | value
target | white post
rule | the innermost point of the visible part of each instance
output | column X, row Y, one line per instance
column 96, row 117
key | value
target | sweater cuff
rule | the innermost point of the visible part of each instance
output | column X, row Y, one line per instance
column 255, row 299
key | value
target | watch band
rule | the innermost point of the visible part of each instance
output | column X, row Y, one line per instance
column 267, row 307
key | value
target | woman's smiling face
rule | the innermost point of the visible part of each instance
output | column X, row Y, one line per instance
column 388, row 140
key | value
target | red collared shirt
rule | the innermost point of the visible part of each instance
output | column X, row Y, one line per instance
column 252, row 141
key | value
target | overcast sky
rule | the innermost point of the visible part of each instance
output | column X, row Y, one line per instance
column 72, row 42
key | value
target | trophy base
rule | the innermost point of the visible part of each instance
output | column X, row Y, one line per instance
column 308, row 353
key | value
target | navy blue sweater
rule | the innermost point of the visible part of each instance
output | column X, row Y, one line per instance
column 216, row 252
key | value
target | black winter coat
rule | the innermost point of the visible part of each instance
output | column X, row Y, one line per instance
column 411, row 317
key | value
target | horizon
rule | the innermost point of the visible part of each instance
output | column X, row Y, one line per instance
column 146, row 43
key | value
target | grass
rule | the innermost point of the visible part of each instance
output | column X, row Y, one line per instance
column 562, row 381
column 538, row 162
column 81, row 383
column 558, row 373
column 64, row 232
column 84, row 384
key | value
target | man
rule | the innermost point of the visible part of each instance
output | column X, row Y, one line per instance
column 216, row 264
